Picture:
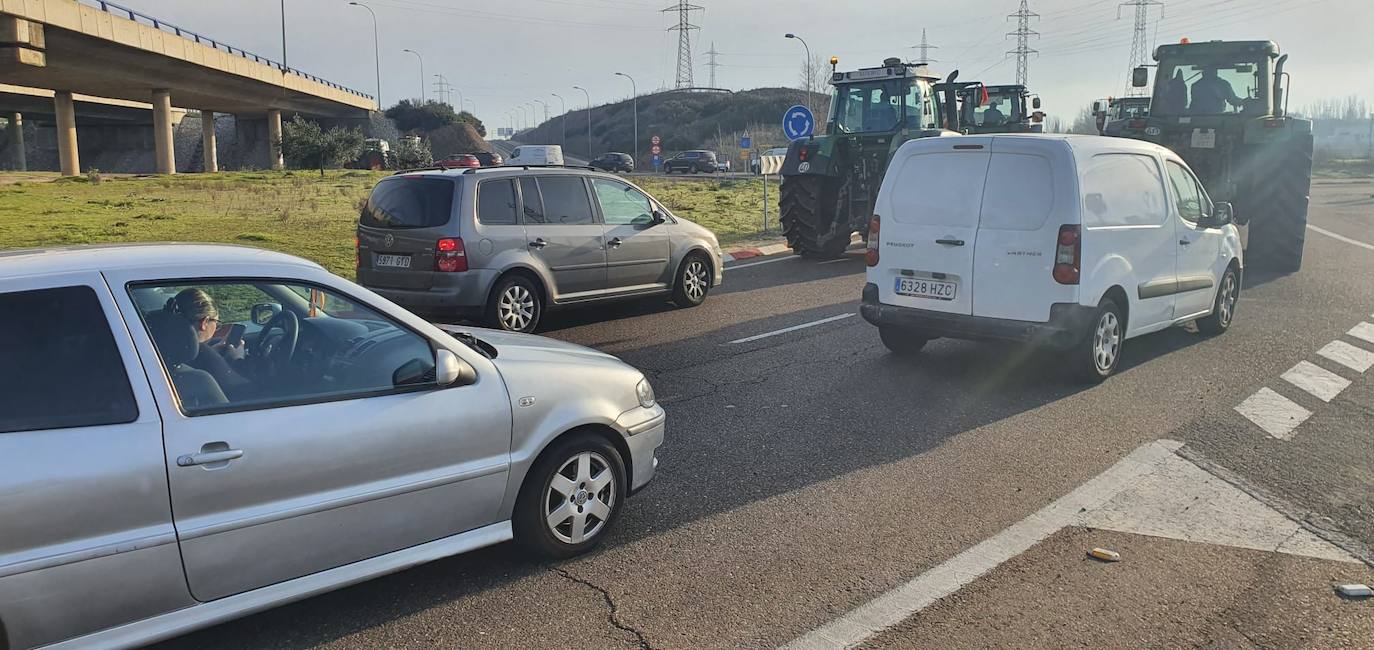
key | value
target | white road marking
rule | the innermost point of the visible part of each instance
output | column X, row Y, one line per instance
column 1152, row 491
column 1357, row 359
column 1340, row 237
column 1317, row 380
column 792, row 329
column 1276, row 414
column 749, row 264
column 837, row 261
column 1363, row 331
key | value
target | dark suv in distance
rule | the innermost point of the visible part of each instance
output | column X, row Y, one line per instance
column 489, row 158
column 697, row 161
column 614, row 162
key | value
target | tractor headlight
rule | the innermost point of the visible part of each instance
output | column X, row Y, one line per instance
column 645, row 392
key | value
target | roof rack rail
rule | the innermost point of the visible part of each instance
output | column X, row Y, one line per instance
column 474, row 170
column 431, row 168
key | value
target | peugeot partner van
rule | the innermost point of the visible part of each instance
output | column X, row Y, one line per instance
column 1076, row 242
column 536, row 154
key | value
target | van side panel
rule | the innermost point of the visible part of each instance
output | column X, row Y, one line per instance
column 1031, row 190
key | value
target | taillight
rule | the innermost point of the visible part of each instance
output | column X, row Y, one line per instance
column 871, row 255
column 1135, row 123
column 1273, row 123
column 1067, row 255
column 801, row 154
column 357, row 254
column 450, row 256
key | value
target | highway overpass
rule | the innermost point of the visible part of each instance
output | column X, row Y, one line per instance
column 104, row 50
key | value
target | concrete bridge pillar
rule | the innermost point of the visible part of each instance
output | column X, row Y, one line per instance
column 164, row 156
column 207, row 140
column 18, row 158
column 274, row 139
column 67, row 157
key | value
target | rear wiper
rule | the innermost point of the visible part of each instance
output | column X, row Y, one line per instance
column 482, row 347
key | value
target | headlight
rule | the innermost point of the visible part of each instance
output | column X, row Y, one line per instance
column 645, row 393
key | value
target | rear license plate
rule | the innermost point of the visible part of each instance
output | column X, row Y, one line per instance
column 394, row 261
column 922, row 288
column 1204, row 139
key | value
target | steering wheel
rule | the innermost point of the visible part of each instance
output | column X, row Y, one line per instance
column 282, row 349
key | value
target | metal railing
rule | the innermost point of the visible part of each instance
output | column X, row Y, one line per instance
column 162, row 25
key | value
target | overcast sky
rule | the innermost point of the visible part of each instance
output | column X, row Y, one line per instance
column 502, row 53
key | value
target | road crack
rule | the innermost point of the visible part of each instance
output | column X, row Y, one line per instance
column 612, row 610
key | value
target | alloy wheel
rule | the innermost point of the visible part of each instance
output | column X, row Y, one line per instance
column 1106, row 342
column 580, row 498
column 694, row 280
column 516, row 308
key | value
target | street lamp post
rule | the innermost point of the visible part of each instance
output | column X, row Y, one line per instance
column 562, row 121
column 589, row 119
column 546, row 111
column 376, row 51
column 634, row 108
column 422, row 72
column 810, row 76
column 468, row 101
column 283, row 35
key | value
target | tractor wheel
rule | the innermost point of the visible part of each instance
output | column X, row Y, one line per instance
column 807, row 205
column 1278, row 232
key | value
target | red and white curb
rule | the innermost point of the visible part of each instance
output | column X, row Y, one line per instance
column 759, row 251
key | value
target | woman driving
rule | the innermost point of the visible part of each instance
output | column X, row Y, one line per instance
column 196, row 306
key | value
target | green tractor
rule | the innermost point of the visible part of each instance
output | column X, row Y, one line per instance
column 1222, row 106
column 996, row 109
column 830, row 182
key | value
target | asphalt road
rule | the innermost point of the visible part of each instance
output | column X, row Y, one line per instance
column 808, row 472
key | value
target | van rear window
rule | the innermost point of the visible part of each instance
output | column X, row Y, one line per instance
column 1019, row 194
column 409, row 202
column 940, row 189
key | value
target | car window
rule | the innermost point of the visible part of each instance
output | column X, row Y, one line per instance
column 496, row 202
column 565, row 200
column 1185, row 188
column 409, row 202
column 1123, row 190
column 622, row 204
column 59, row 366
column 1019, row 192
column 533, row 203
column 301, row 343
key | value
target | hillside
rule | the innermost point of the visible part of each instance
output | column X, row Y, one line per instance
column 685, row 120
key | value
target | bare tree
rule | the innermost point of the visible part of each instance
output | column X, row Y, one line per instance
column 1350, row 107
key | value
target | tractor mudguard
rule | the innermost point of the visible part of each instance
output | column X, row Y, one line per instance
column 812, row 156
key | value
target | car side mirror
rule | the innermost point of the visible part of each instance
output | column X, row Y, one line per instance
column 263, row 312
column 1140, row 77
column 1222, row 214
column 449, row 370
column 1035, row 102
column 659, row 218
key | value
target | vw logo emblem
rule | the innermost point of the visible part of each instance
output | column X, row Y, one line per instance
column 388, row 240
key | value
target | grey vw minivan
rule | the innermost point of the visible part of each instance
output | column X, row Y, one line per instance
column 505, row 244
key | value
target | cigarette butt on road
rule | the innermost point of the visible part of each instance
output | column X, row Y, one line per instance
column 1105, row 555
column 1354, row 591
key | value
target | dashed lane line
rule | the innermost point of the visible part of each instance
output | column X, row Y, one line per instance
column 1357, row 359
column 791, row 329
column 1319, row 381
column 1340, row 237
column 1276, row 414
column 1363, row 332
column 749, row 264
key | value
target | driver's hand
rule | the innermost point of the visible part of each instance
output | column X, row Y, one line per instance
column 232, row 352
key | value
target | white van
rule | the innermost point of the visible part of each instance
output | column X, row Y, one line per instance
column 1077, row 242
column 536, row 154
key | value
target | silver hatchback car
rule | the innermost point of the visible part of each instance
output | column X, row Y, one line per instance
column 505, row 244
column 193, row 433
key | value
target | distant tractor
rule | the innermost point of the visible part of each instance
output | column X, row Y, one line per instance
column 830, row 182
column 1223, row 107
column 1122, row 116
column 997, row 109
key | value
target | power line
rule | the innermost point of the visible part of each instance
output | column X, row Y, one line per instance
column 684, row 29
column 1140, row 36
column 1023, row 33
column 923, row 58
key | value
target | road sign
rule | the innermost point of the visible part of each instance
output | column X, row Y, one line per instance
column 655, row 141
column 655, row 150
column 798, row 123
column 745, row 142
column 657, row 161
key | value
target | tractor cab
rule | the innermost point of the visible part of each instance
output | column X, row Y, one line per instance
column 1122, row 116
column 998, row 109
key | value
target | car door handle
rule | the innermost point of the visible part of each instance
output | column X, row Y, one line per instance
column 209, row 457
column 1185, row 242
column 950, row 242
column 538, row 243
column 614, row 243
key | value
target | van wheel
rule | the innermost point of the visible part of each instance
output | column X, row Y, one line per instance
column 1224, row 309
column 902, row 342
column 571, row 497
column 515, row 305
column 1100, row 352
column 693, row 281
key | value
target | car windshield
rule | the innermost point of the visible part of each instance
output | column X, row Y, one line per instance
column 1208, row 88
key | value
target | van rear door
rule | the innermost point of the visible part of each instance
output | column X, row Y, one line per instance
column 929, row 207
column 398, row 230
column 1029, row 181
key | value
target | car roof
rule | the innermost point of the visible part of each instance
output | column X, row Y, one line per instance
column 502, row 171
column 112, row 257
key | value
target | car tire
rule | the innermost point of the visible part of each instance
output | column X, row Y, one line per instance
column 1099, row 353
column 693, row 281
column 902, row 342
column 516, row 305
column 558, row 483
column 1224, row 307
